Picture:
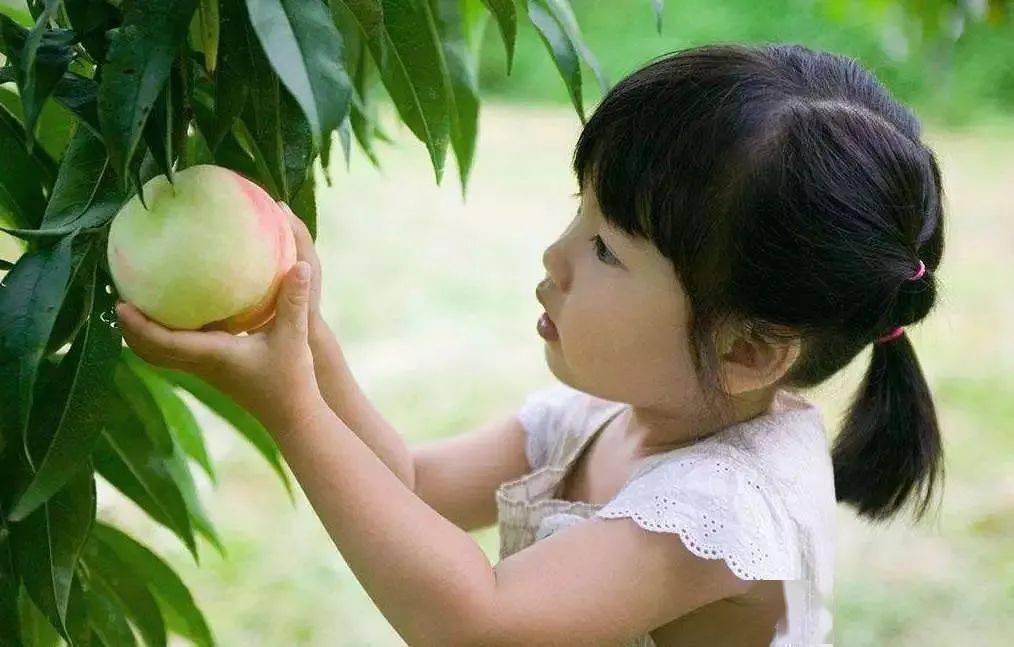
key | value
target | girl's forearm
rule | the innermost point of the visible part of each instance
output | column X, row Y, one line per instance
column 344, row 396
column 428, row 577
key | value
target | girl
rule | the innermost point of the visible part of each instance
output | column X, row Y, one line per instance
column 751, row 218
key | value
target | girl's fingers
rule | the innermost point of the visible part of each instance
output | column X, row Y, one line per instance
column 306, row 251
column 157, row 344
column 291, row 308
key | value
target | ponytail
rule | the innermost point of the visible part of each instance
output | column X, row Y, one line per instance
column 889, row 447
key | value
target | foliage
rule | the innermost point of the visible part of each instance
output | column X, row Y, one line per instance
column 98, row 96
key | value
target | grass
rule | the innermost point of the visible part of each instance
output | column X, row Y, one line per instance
column 433, row 301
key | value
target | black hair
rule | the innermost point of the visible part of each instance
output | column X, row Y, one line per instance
column 793, row 195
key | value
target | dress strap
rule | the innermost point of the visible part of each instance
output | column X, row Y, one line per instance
column 579, row 447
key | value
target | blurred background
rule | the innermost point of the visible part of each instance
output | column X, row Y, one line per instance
column 432, row 298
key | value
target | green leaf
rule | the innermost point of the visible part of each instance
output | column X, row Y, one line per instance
column 106, row 616
column 126, row 457
column 145, row 406
column 403, row 42
column 10, row 583
column 79, row 94
column 177, row 415
column 161, row 579
column 507, row 22
column 228, row 152
column 304, row 205
column 139, row 61
column 209, row 33
column 91, row 19
column 345, row 135
column 461, row 67
column 305, row 50
column 41, row 62
column 297, row 145
column 136, row 394
column 36, row 629
column 66, row 429
column 29, row 304
column 180, row 471
column 118, row 581
column 56, row 127
column 22, row 177
column 361, row 119
column 244, row 422
column 564, row 54
column 260, row 128
column 159, row 130
column 233, row 75
column 564, row 15
column 86, row 193
column 19, row 14
column 47, row 545
column 657, row 5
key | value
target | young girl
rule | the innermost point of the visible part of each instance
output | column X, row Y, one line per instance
column 751, row 219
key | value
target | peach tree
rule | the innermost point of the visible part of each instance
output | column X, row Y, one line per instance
column 97, row 97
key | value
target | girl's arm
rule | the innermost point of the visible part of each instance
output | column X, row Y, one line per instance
column 598, row 582
column 456, row 476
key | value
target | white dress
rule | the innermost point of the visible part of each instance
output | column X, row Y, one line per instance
column 758, row 495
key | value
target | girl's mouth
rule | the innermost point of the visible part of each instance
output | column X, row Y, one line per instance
column 547, row 329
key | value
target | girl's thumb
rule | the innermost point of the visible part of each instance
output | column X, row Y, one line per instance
column 293, row 305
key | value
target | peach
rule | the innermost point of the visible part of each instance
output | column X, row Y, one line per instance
column 208, row 253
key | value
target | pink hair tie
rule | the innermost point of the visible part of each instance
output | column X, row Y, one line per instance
column 900, row 329
column 891, row 335
column 922, row 270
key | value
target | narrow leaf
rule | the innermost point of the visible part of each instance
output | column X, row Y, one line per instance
column 47, row 545
column 402, row 39
column 29, row 303
column 128, row 588
column 42, row 62
column 126, row 457
column 68, row 427
column 91, row 19
column 234, row 73
column 209, row 33
column 139, row 61
column 22, row 177
column 162, row 580
column 10, row 583
column 461, row 68
column 79, row 94
column 36, row 630
column 305, row 50
column 657, row 5
column 86, row 193
column 244, row 422
column 304, row 205
column 565, row 56
column 107, row 617
column 564, row 15
column 507, row 21
column 177, row 415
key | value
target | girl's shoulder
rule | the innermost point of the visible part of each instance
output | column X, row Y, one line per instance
column 556, row 417
column 757, row 494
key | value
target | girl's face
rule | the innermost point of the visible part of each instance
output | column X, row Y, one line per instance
column 620, row 313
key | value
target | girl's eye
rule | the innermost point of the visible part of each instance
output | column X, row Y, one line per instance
column 600, row 248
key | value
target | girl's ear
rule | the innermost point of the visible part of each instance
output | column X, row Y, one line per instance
column 749, row 362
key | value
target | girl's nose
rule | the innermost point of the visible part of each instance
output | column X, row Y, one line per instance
column 555, row 261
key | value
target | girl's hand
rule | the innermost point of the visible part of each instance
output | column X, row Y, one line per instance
column 305, row 251
column 269, row 372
